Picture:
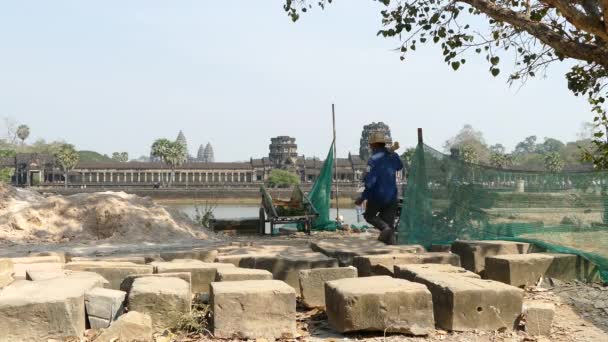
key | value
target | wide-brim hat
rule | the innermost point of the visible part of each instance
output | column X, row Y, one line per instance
column 378, row 138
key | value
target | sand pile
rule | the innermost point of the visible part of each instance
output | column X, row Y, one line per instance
column 26, row 216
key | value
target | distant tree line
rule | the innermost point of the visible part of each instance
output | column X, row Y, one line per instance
column 531, row 153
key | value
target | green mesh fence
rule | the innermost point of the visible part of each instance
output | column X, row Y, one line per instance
column 446, row 199
column 320, row 194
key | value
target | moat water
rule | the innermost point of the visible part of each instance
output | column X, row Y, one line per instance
column 225, row 211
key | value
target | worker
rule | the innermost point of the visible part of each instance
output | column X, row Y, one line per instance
column 381, row 187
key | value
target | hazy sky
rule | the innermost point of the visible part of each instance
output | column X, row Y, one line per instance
column 113, row 75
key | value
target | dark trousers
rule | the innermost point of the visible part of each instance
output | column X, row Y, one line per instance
column 382, row 217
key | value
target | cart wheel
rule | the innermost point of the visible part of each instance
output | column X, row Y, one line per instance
column 262, row 227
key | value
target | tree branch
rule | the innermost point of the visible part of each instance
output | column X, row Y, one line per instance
column 579, row 19
column 563, row 46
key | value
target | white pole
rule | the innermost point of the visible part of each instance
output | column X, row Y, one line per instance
column 333, row 116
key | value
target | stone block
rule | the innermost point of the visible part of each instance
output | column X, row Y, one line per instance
column 140, row 260
column 202, row 273
column 103, row 306
column 312, row 283
column 36, row 263
column 132, row 326
column 6, row 272
column 473, row 253
column 410, row 272
column 287, row 267
column 379, row 304
column 200, row 254
column 253, row 309
column 128, row 282
column 346, row 249
column 44, row 275
column 42, row 310
column 539, row 318
column 565, row 267
column 164, row 299
column 240, row 274
column 463, row 303
column 243, row 260
column 518, row 269
column 365, row 264
column 114, row 272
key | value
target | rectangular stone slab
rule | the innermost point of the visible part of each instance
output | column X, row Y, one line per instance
column 141, row 260
column 128, row 282
column 312, row 283
column 464, row 303
column 518, row 269
column 346, row 249
column 473, row 253
column 410, row 272
column 114, row 272
column 165, row 300
column 240, row 274
column 539, row 318
column 103, row 306
column 36, row 263
column 201, row 254
column 379, row 303
column 43, row 310
column 365, row 264
column 253, row 309
column 202, row 273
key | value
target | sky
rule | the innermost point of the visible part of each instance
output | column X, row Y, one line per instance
column 115, row 75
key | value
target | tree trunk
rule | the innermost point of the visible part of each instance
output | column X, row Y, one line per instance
column 65, row 179
column 172, row 176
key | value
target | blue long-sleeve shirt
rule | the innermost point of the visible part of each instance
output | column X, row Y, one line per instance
column 381, row 180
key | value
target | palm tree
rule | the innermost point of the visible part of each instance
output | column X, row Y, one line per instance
column 172, row 153
column 66, row 158
column 23, row 132
column 176, row 156
column 159, row 149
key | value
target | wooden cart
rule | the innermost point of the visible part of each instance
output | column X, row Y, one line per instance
column 298, row 210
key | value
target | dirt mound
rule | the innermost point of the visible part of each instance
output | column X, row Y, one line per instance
column 26, row 216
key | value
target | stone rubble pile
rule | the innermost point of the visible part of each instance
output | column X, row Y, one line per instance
column 252, row 290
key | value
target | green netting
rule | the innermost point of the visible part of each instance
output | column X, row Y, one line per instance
column 320, row 194
column 447, row 199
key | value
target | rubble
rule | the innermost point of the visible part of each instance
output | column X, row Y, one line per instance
column 26, row 216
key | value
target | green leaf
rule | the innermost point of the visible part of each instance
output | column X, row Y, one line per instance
column 455, row 65
column 495, row 71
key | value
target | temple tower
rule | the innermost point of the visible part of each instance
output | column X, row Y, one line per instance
column 364, row 151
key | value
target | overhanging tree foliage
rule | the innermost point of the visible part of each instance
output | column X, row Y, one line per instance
column 537, row 32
